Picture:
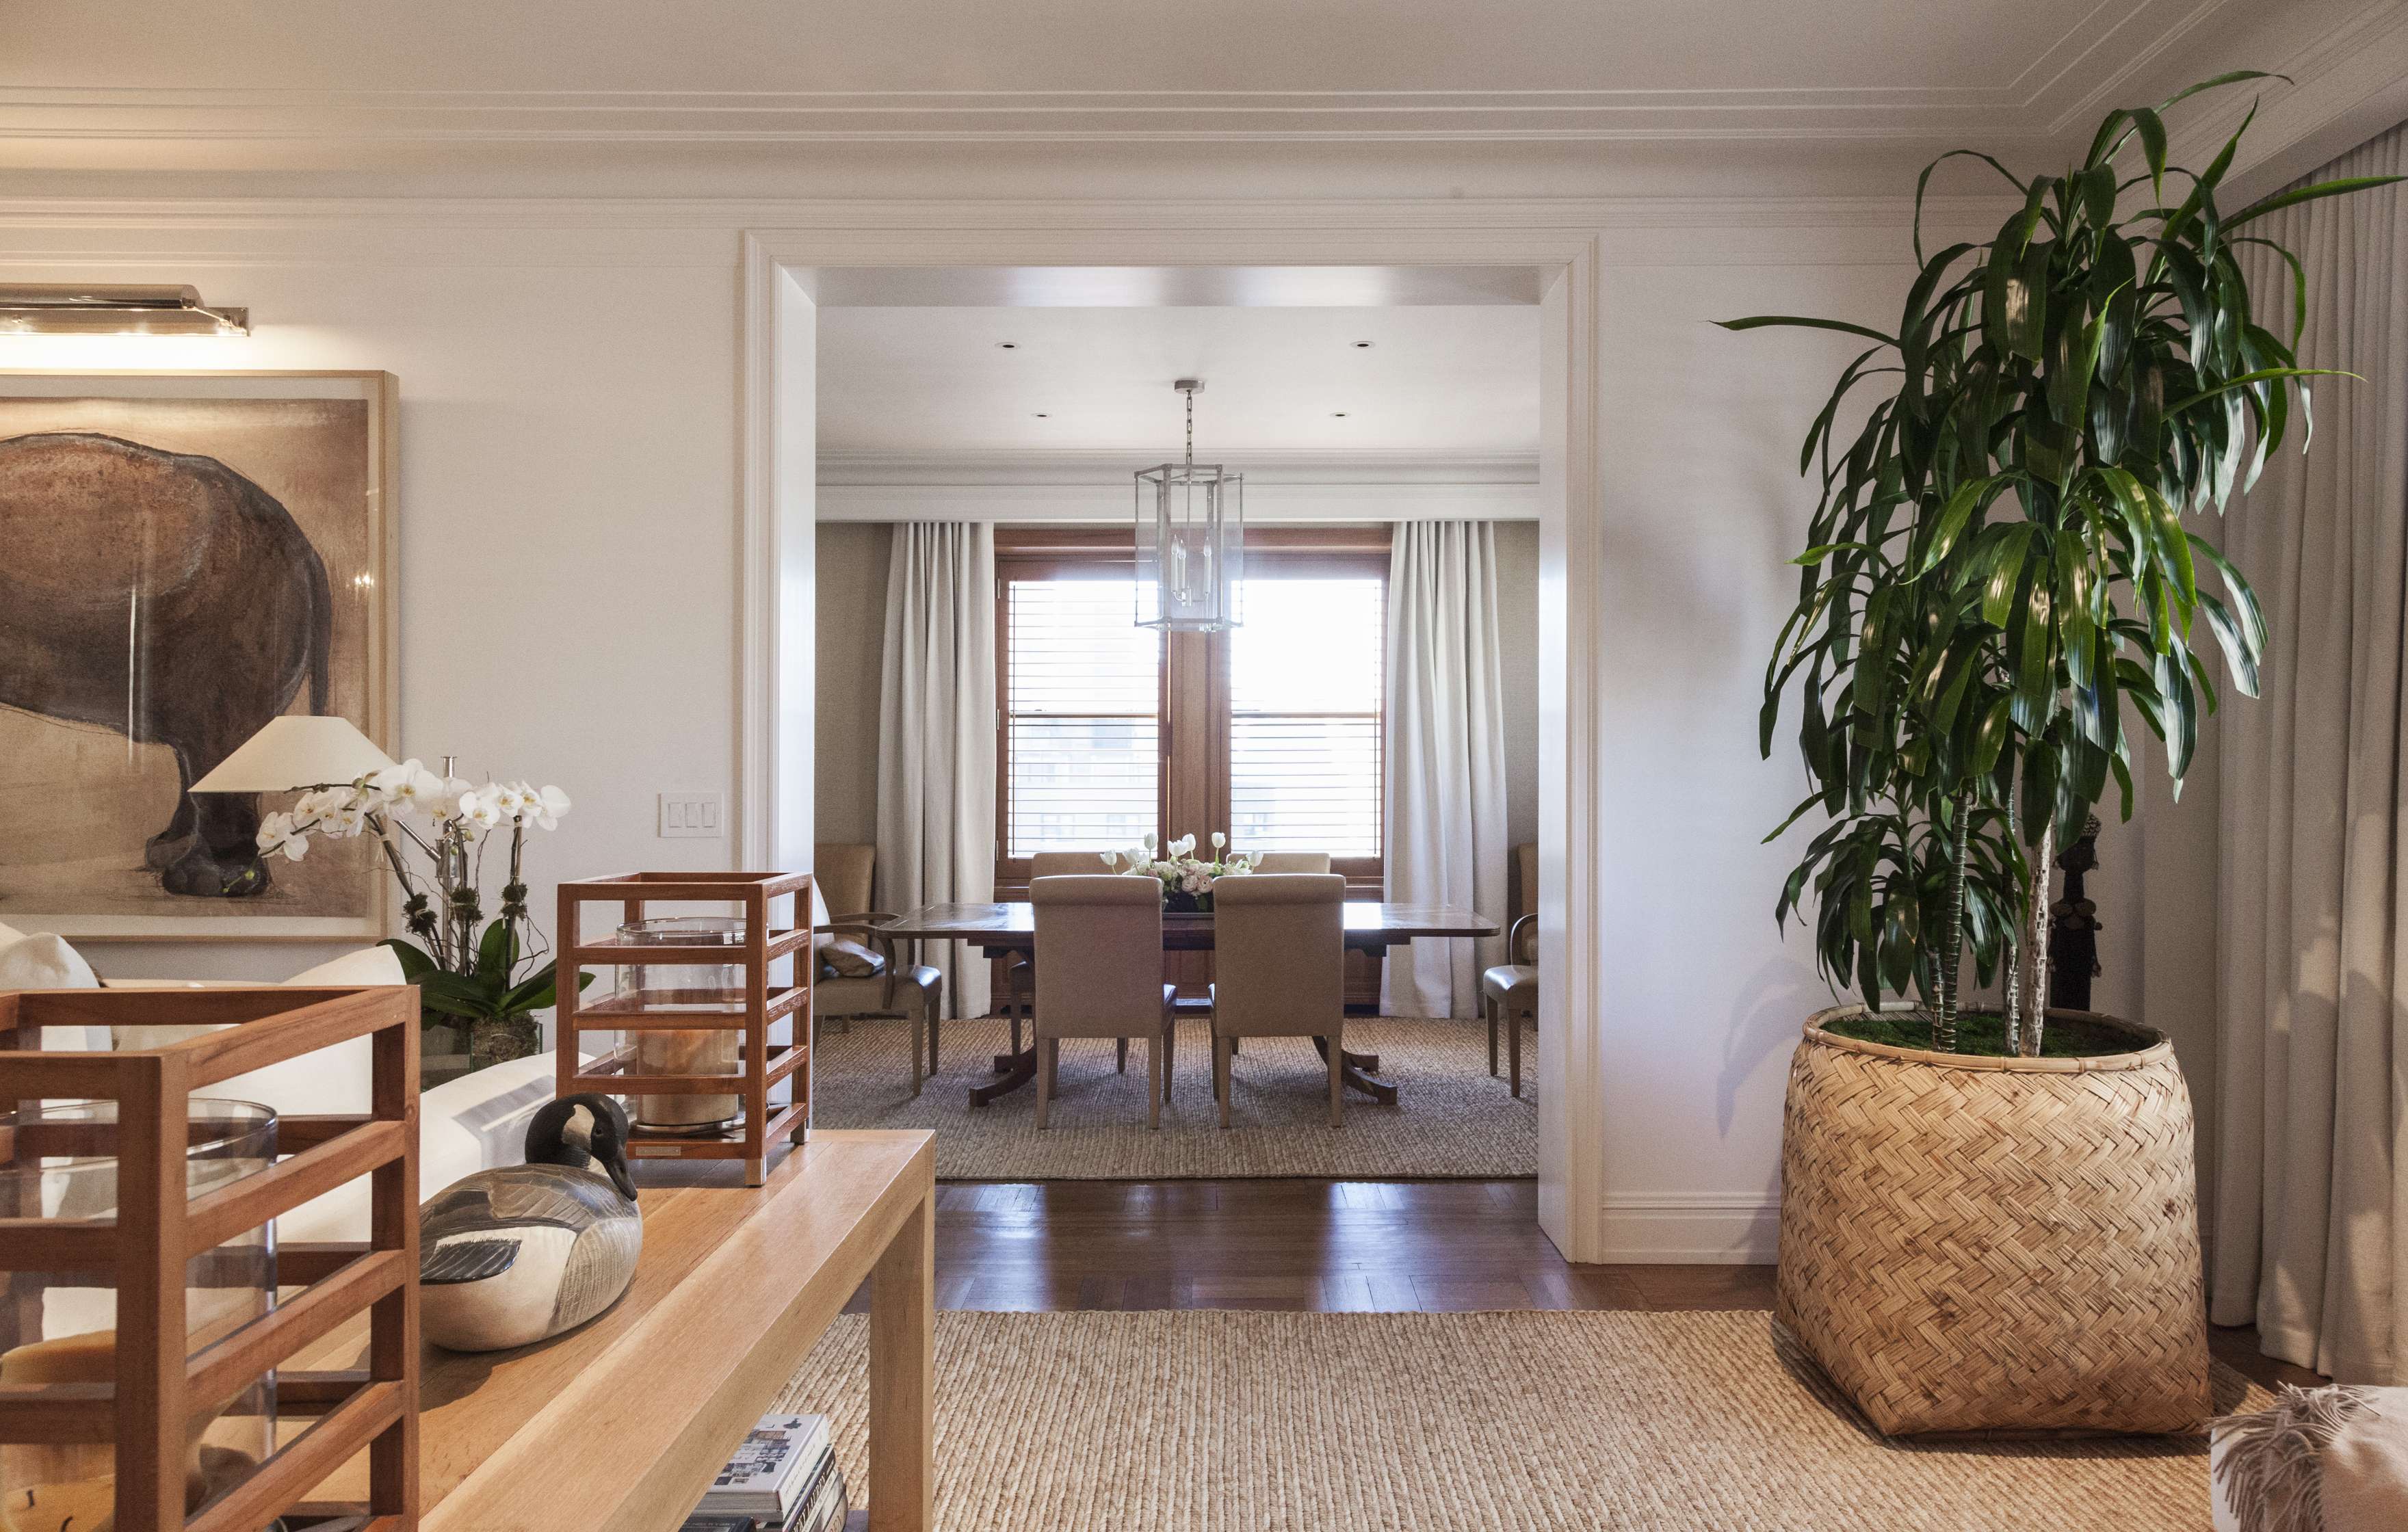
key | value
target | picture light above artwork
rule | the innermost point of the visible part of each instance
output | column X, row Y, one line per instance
column 57, row 308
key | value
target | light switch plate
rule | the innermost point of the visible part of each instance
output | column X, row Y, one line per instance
column 696, row 816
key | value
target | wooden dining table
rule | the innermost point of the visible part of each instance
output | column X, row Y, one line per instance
column 1009, row 929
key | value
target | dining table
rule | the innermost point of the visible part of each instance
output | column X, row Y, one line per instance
column 1009, row 928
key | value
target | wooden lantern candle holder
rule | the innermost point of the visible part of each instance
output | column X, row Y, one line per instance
column 752, row 1008
column 139, row 1389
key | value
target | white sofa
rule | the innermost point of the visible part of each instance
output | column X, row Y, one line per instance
column 467, row 1124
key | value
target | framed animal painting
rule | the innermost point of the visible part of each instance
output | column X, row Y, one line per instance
column 184, row 556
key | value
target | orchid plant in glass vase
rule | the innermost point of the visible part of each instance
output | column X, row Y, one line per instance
column 489, row 977
column 1186, row 880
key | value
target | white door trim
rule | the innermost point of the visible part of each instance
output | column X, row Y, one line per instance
column 777, row 511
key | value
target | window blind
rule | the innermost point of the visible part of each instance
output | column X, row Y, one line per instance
column 1305, row 697
column 1083, row 685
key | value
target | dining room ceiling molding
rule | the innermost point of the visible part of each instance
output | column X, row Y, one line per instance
column 1094, row 486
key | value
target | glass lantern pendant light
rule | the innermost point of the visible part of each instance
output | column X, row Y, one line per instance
column 1191, row 539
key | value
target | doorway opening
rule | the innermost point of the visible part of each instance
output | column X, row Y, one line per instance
column 1357, row 400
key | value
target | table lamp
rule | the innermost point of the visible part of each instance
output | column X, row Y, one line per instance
column 296, row 751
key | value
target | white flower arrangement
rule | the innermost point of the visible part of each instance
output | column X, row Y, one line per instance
column 1179, row 869
column 462, row 974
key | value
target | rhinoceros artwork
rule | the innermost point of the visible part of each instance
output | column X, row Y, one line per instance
column 182, row 559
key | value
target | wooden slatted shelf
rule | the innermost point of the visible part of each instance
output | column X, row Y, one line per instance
column 143, row 1251
column 765, row 1062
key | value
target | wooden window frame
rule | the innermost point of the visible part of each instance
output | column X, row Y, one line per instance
column 1191, row 786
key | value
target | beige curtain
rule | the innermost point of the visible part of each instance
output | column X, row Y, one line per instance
column 2311, row 1207
column 1445, row 757
column 935, row 736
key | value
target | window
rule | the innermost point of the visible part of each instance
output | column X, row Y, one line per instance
column 1082, row 692
column 1271, row 732
column 1304, row 715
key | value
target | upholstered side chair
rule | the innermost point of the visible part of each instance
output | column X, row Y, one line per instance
column 1291, row 862
column 859, row 971
column 1280, row 970
column 1019, row 973
column 1509, row 990
column 1100, row 975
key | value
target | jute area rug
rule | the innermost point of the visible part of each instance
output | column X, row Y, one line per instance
column 1234, row 1422
column 1452, row 1118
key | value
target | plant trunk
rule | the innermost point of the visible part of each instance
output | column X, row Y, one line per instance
column 2033, row 959
column 1943, row 1020
column 2012, row 1017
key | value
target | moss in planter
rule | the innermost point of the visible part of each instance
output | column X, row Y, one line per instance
column 1981, row 1032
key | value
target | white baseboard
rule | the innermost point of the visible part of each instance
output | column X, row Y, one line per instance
column 1703, row 1228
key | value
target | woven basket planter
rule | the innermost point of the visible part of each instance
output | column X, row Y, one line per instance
column 1991, row 1244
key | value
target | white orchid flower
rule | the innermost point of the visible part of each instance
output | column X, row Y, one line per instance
column 406, row 789
column 550, row 803
column 280, row 836
column 477, row 809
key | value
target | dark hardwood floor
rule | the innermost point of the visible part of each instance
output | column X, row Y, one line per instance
column 1319, row 1245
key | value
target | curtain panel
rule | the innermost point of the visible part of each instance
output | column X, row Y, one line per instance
column 2311, row 1207
column 1445, row 765
column 935, row 736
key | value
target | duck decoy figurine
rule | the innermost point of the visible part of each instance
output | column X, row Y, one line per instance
column 517, row 1254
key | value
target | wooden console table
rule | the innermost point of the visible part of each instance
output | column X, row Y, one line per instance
column 620, row 1427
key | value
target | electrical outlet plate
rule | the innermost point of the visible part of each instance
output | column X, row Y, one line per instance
column 692, row 816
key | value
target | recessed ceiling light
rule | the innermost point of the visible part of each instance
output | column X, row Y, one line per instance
column 1337, row 414
column 1362, row 345
column 1043, row 415
column 1008, row 345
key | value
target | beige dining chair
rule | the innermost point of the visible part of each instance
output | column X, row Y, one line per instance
column 858, row 969
column 1509, row 990
column 1280, row 964
column 1019, row 973
column 1293, row 861
column 1100, row 975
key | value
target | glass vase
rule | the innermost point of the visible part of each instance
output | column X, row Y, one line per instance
column 697, row 981
column 61, row 1328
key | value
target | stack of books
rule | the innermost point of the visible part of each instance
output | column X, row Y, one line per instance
column 782, row 1478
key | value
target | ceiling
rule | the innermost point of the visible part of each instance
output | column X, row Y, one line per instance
column 1436, row 382
column 116, row 76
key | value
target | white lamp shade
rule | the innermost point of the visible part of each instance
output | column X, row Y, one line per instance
column 294, row 752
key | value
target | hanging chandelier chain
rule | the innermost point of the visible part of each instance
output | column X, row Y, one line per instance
column 1190, row 396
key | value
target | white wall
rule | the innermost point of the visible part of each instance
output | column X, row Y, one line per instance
column 568, row 493
column 1517, row 633
column 569, row 515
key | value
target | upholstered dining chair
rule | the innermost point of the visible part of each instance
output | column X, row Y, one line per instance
column 1100, row 975
column 858, row 971
column 1280, row 970
column 1020, row 972
column 1292, row 862
column 1509, row 990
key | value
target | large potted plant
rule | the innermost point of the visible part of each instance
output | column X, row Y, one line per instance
column 1988, row 1215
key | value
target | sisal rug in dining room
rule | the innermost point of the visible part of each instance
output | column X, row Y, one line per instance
column 1452, row 1118
column 1233, row 1421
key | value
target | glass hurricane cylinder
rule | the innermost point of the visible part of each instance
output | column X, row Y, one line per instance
column 700, row 984
column 61, row 1328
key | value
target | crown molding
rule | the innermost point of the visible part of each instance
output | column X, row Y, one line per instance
column 2098, row 52
column 1112, row 466
column 2347, row 84
column 344, row 215
column 1096, row 486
